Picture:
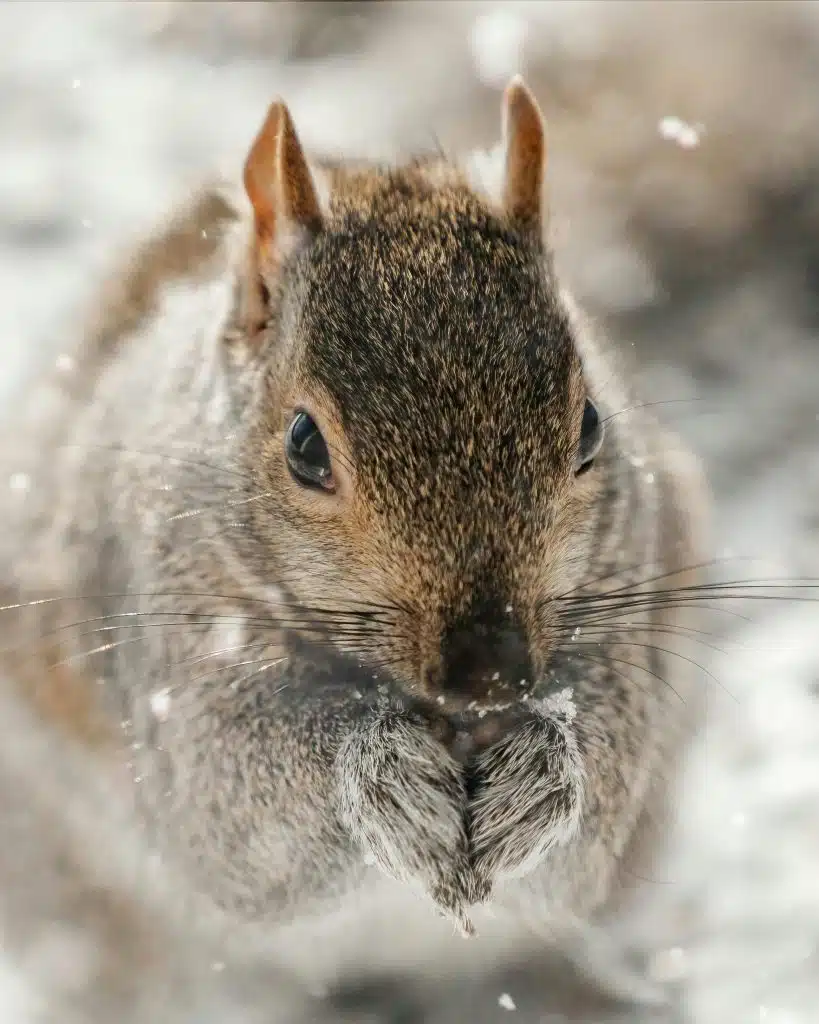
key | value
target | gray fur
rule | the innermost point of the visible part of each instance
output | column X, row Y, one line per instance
column 529, row 795
column 404, row 799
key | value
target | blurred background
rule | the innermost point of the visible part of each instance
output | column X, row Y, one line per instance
column 684, row 182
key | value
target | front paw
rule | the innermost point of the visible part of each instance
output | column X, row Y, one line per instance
column 404, row 798
column 527, row 791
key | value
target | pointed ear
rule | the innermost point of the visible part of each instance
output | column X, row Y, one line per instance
column 524, row 136
column 279, row 184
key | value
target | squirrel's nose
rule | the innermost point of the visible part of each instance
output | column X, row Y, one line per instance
column 485, row 656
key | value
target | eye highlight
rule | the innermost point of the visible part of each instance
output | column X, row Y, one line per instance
column 591, row 439
column 308, row 458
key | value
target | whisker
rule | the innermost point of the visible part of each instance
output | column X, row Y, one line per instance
column 606, row 659
column 196, row 463
column 665, row 650
column 101, row 649
column 606, row 662
column 610, row 635
column 606, row 626
column 197, row 658
column 739, row 587
column 650, row 405
column 599, row 390
column 630, row 587
column 233, row 503
column 264, row 665
column 676, row 603
column 311, row 630
column 577, row 617
column 235, row 665
column 358, row 609
column 52, row 633
column 629, row 569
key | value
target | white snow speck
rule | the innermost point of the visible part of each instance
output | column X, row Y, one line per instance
column 506, row 1002
column 649, row 478
column 19, row 482
column 160, row 702
column 496, row 42
column 65, row 364
column 228, row 637
column 369, row 859
column 674, row 129
column 668, row 965
column 561, row 704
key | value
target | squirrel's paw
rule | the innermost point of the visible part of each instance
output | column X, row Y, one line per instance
column 527, row 794
column 404, row 799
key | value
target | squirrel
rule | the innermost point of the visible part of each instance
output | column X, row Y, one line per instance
column 345, row 558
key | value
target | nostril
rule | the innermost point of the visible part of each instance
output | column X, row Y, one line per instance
column 483, row 658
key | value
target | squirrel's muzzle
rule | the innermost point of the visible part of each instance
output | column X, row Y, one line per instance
column 484, row 657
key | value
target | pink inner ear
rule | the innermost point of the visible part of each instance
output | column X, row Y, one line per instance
column 261, row 171
column 278, row 180
column 525, row 154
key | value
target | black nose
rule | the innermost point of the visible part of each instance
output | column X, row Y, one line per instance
column 486, row 654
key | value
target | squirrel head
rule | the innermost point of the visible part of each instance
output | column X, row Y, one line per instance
column 420, row 423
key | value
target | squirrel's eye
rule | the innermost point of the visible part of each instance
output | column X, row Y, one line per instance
column 307, row 456
column 591, row 439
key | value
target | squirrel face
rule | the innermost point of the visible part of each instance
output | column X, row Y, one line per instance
column 423, row 412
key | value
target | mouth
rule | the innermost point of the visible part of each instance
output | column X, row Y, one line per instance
column 466, row 728
column 494, row 695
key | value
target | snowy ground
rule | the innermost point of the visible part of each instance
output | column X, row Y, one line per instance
column 685, row 173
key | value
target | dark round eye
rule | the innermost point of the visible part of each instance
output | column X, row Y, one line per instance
column 591, row 439
column 307, row 456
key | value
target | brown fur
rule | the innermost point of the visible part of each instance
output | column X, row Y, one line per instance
column 180, row 250
column 62, row 697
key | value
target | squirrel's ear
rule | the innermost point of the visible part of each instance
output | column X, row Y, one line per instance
column 279, row 184
column 524, row 137
column 286, row 208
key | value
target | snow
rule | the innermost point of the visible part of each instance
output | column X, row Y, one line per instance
column 160, row 702
column 674, row 129
column 19, row 482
